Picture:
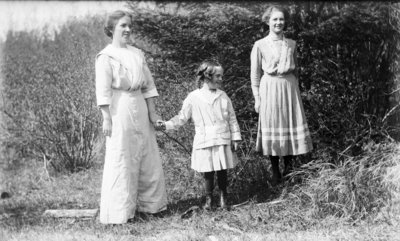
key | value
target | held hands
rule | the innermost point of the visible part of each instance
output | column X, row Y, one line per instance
column 157, row 122
column 257, row 103
column 160, row 125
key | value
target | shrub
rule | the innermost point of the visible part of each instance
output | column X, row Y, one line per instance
column 49, row 94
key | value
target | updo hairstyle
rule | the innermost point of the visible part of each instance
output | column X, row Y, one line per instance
column 267, row 15
column 205, row 72
column 112, row 20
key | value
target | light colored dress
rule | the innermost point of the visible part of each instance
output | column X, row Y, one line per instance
column 282, row 126
column 215, row 127
column 133, row 178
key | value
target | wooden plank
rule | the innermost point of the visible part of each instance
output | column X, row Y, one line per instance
column 71, row 213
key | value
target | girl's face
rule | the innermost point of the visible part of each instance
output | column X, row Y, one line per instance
column 123, row 30
column 216, row 78
column 276, row 21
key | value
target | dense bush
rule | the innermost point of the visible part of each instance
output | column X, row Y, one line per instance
column 344, row 54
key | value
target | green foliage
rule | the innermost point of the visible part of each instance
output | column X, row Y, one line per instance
column 49, row 94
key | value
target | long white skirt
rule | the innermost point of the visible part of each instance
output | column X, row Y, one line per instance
column 133, row 178
column 282, row 125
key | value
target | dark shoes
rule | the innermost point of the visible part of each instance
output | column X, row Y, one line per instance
column 276, row 178
column 223, row 202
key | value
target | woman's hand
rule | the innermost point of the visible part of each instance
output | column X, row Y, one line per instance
column 257, row 103
column 107, row 127
column 154, row 118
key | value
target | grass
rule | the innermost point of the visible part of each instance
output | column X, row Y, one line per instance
column 279, row 213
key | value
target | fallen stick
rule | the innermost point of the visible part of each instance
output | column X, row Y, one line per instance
column 71, row 213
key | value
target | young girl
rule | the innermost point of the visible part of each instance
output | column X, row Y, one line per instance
column 282, row 129
column 216, row 128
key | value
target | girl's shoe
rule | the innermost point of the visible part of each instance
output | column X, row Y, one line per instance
column 208, row 204
column 223, row 204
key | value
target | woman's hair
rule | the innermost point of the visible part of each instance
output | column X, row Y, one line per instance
column 112, row 20
column 267, row 14
column 205, row 71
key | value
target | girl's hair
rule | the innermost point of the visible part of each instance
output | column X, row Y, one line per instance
column 205, row 71
column 267, row 14
column 112, row 20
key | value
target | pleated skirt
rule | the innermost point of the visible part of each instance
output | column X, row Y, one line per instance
column 213, row 158
column 282, row 125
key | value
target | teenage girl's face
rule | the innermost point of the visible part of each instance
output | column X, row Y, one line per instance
column 276, row 21
column 216, row 79
column 123, row 30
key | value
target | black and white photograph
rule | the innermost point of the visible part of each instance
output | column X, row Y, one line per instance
column 199, row 120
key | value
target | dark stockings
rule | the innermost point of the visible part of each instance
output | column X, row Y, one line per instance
column 276, row 174
column 288, row 165
column 222, row 179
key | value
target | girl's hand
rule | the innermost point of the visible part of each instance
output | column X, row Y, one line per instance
column 257, row 103
column 235, row 145
column 107, row 127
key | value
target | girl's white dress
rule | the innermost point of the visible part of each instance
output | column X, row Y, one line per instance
column 133, row 177
column 282, row 126
column 215, row 127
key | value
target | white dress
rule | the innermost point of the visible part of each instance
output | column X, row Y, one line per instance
column 133, row 177
column 216, row 126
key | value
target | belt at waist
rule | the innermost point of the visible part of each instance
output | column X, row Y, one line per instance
column 128, row 93
column 210, row 130
column 279, row 75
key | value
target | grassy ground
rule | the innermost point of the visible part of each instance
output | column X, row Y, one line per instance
column 269, row 218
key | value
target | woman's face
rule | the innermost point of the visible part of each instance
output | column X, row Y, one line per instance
column 276, row 21
column 216, row 79
column 123, row 30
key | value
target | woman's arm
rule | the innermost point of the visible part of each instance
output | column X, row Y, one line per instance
column 107, row 122
column 151, row 106
column 104, row 91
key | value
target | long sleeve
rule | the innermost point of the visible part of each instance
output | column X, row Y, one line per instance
column 149, row 88
column 233, row 123
column 296, row 63
column 103, row 80
column 182, row 118
column 255, row 69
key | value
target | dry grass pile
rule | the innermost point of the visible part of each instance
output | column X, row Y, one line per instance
column 354, row 189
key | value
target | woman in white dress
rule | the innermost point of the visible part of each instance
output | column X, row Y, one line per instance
column 133, row 178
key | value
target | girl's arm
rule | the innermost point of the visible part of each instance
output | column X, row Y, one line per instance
column 255, row 75
column 184, row 115
column 233, row 123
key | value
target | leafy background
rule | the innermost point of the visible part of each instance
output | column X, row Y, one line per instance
column 348, row 55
